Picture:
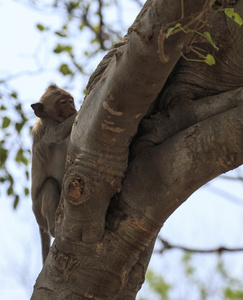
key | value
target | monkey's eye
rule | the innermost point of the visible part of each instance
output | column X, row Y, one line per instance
column 63, row 101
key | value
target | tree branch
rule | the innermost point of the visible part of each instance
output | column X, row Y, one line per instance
column 167, row 246
column 109, row 118
column 196, row 156
column 158, row 127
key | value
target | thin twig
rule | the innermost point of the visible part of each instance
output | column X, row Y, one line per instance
column 219, row 250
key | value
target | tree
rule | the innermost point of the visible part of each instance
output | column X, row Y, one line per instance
column 156, row 124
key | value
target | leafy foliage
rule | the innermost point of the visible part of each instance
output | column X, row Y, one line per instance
column 231, row 294
column 208, row 59
column 157, row 285
column 215, row 283
column 230, row 12
column 12, row 146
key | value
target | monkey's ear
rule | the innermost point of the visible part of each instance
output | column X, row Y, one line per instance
column 39, row 110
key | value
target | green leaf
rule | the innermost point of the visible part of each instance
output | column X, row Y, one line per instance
column 19, row 155
column 3, row 156
column 6, row 122
column 157, row 284
column 82, row 25
column 221, row 268
column 94, row 40
column 172, row 28
column 61, row 33
column 19, row 126
column 26, row 191
column 2, row 107
column 231, row 294
column 41, row 27
column 209, row 60
column 18, row 107
column 10, row 178
column 186, row 258
column 190, row 270
column 65, row 70
column 16, row 201
column 24, row 118
column 63, row 48
column 230, row 12
column 14, row 95
column 72, row 5
column 10, row 190
column 25, row 161
column 21, row 158
column 96, row 28
column 208, row 37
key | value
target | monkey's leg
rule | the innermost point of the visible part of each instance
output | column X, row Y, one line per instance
column 44, row 207
column 45, row 243
column 50, row 200
column 45, row 211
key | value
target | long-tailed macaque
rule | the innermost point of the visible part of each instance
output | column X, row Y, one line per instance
column 56, row 113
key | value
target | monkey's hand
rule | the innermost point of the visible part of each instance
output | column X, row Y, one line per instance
column 59, row 132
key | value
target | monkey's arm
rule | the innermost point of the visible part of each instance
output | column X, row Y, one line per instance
column 56, row 134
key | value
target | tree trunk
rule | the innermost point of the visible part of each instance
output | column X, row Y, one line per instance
column 153, row 128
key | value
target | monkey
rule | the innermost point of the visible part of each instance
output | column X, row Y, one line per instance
column 56, row 113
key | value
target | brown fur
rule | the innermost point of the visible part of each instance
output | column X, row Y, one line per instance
column 56, row 112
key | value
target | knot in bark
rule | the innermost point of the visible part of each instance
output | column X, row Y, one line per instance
column 74, row 190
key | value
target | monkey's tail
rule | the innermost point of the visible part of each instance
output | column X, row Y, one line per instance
column 45, row 243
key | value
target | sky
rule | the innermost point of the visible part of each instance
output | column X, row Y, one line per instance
column 208, row 219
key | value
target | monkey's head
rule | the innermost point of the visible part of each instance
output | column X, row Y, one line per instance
column 56, row 104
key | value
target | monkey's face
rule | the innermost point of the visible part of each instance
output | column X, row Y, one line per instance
column 64, row 107
column 55, row 104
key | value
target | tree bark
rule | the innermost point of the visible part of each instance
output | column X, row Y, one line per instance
column 148, row 135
